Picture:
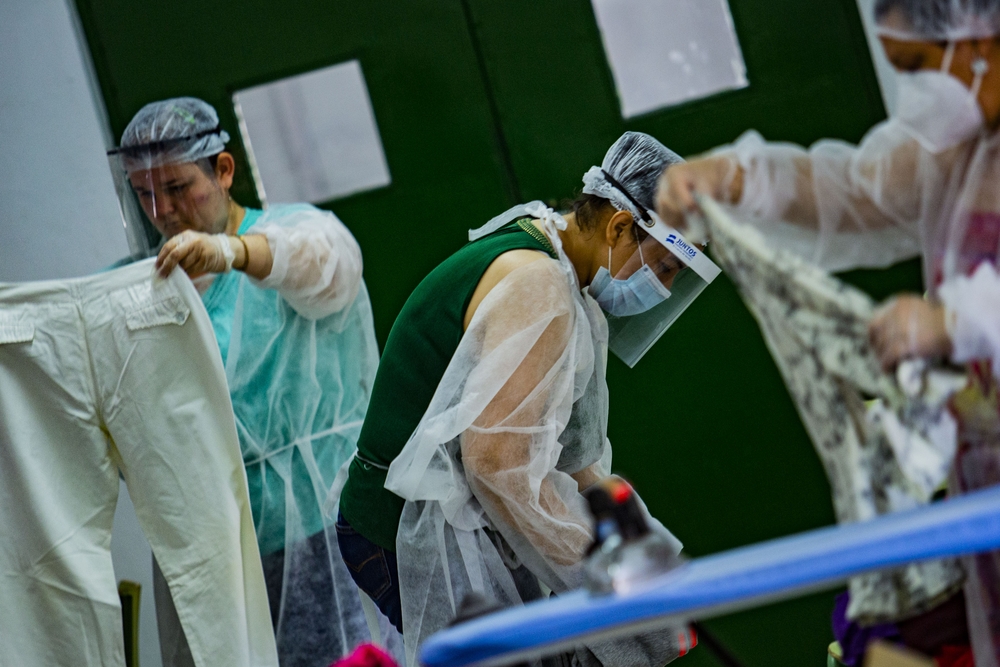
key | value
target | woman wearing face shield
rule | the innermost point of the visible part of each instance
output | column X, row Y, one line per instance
column 489, row 411
column 922, row 183
column 284, row 292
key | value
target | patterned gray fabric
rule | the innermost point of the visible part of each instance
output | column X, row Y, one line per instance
column 816, row 329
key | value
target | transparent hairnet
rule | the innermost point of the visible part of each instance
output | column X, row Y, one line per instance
column 159, row 141
column 635, row 161
column 937, row 20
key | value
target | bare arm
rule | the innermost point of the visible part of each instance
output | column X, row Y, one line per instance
column 254, row 258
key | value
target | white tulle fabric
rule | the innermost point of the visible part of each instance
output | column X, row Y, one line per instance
column 490, row 473
column 316, row 261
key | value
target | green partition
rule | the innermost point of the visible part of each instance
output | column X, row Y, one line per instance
column 484, row 102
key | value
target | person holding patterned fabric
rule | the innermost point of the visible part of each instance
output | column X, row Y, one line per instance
column 285, row 294
column 922, row 183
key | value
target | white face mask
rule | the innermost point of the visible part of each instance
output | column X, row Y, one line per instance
column 636, row 294
column 936, row 109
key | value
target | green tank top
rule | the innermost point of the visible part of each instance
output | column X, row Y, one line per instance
column 421, row 344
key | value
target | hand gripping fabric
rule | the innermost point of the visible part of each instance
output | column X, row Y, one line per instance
column 887, row 199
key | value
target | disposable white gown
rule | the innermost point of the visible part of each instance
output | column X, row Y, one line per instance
column 885, row 200
column 489, row 474
column 300, row 361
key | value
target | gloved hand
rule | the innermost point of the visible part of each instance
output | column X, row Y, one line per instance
column 909, row 327
column 719, row 177
column 197, row 253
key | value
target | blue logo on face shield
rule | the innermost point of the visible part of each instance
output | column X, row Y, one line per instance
column 682, row 246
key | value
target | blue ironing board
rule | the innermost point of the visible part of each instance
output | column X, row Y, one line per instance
column 724, row 582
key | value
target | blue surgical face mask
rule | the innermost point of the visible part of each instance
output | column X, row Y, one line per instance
column 636, row 294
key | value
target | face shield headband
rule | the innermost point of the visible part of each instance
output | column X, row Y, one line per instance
column 631, row 336
column 161, row 146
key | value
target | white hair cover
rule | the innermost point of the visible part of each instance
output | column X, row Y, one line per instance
column 490, row 475
column 635, row 161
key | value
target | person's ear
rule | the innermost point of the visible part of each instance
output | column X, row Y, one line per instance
column 619, row 224
column 225, row 169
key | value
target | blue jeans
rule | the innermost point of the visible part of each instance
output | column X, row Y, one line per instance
column 373, row 570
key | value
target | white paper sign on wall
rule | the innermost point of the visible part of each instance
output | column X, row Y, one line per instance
column 666, row 52
column 312, row 137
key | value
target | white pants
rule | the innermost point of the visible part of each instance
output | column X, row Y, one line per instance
column 106, row 373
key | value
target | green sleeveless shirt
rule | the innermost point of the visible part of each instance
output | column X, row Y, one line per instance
column 421, row 344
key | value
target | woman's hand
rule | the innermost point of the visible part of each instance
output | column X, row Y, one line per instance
column 198, row 253
column 719, row 177
column 908, row 327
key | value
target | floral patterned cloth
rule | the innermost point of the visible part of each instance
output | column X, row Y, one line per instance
column 816, row 329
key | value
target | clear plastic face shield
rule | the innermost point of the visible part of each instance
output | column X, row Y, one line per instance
column 656, row 284
column 160, row 198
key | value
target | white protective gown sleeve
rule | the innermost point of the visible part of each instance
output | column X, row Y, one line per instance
column 972, row 306
column 317, row 262
column 843, row 206
column 492, row 504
